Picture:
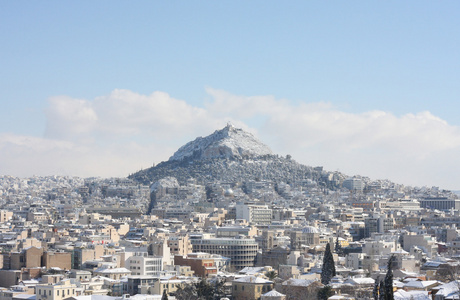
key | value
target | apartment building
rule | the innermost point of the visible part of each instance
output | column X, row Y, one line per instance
column 241, row 251
column 143, row 264
column 60, row 291
column 254, row 213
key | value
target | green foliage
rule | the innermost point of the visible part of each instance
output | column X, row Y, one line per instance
column 338, row 247
column 165, row 295
column 328, row 270
column 388, row 282
column 271, row 275
column 375, row 291
column 204, row 289
column 186, row 292
column 201, row 290
column 382, row 290
column 325, row 293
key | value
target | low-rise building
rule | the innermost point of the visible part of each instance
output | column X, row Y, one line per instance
column 250, row 287
column 60, row 291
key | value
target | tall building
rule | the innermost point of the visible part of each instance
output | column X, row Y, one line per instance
column 378, row 224
column 354, row 184
column 180, row 245
column 143, row 264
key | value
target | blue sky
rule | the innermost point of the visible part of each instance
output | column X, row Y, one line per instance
column 367, row 69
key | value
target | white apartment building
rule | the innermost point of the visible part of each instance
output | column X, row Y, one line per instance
column 254, row 214
column 143, row 264
column 376, row 248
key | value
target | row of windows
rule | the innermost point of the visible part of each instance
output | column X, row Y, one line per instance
column 264, row 288
column 49, row 292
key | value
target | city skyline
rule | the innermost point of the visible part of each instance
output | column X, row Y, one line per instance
column 96, row 90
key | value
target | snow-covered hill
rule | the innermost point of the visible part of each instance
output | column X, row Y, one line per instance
column 229, row 142
column 230, row 155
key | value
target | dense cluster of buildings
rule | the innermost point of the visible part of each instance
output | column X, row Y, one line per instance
column 73, row 238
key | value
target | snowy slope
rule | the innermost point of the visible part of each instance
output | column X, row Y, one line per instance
column 229, row 142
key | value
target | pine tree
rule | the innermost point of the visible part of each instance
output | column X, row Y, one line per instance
column 328, row 270
column 389, row 280
column 186, row 292
column 204, row 289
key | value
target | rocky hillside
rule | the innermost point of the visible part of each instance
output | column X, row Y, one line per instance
column 229, row 155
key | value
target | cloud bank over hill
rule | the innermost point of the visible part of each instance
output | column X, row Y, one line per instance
column 122, row 132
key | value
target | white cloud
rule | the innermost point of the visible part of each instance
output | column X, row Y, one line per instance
column 123, row 113
column 69, row 117
column 119, row 133
column 407, row 149
column 112, row 135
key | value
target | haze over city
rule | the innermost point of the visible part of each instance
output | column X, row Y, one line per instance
column 108, row 88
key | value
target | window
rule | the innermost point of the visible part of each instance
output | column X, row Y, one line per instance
column 58, row 292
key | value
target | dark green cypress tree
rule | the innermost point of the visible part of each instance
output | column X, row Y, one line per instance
column 389, row 279
column 165, row 295
column 375, row 291
column 382, row 290
column 328, row 270
column 338, row 247
column 325, row 292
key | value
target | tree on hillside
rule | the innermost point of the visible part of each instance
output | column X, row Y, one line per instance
column 328, row 270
